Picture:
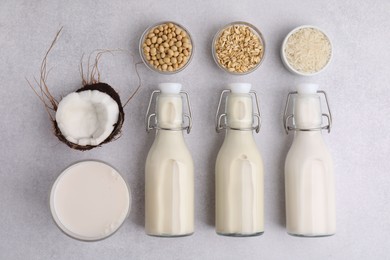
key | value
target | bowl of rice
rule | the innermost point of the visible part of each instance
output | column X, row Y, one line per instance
column 306, row 50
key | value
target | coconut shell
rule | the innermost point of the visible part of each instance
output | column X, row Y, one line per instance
column 107, row 89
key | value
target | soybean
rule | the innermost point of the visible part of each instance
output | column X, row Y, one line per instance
column 167, row 47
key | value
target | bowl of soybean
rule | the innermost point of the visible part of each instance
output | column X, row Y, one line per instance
column 166, row 47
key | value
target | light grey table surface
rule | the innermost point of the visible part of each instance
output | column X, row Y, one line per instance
column 357, row 83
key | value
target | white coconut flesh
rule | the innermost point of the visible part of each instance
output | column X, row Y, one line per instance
column 87, row 117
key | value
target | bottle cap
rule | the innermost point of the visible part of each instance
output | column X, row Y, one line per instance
column 307, row 88
column 170, row 88
column 242, row 88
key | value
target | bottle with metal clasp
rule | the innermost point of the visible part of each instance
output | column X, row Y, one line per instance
column 169, row 170
column 309, row 180
column 239, row 166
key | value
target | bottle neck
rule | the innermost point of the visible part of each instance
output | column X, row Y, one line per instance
column 169, row 111
column 239, row 112
column 244, row 136
column 169, row 137
column 307, row 111
column 315, row 135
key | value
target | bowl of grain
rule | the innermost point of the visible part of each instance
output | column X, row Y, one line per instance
column 166, row 47
column 238, row 48
column 306, row 50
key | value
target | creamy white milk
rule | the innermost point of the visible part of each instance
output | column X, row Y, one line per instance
column 89, row 200
column 310, row 201
column 169, row 173
column 239, row 174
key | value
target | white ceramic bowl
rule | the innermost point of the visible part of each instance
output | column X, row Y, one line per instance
column 289, row 66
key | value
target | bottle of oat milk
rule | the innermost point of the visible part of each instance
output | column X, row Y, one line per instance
column 239, row 166
column 309, row 181
column 169, row 170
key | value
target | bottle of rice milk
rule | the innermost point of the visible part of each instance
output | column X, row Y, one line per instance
column 310, row 199
column 239, row 166
column 169, row 170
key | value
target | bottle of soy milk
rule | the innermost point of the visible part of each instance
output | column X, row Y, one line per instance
column 310, row 199
column 169, row 170
column 239, row 166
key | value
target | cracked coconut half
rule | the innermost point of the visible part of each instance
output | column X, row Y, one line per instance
column 89, row 117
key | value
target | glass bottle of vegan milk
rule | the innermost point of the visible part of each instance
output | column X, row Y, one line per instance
column 239, row 166
column 169, row 170
column 310, row 199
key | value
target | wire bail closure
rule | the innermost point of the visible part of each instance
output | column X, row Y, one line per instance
column 221, row 119
column 152, row 116
column 288, row 118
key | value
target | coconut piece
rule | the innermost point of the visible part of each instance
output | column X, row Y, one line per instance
column 89, row 117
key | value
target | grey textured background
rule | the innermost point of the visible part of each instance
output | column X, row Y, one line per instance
column 31, row 157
